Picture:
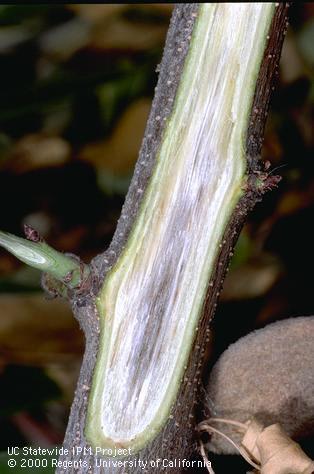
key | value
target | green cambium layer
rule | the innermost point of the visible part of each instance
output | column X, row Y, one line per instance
column 173, row 156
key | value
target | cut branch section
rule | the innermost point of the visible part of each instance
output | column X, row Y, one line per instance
column 153, row 297
column 68, row 271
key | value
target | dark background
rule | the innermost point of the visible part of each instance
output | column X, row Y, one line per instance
column 76, row 87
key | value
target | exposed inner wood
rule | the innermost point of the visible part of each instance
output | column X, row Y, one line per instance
column 152, row 298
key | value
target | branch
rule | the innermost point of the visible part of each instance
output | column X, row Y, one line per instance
column 198, row 175
column 63, row 272
column 152, row 299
